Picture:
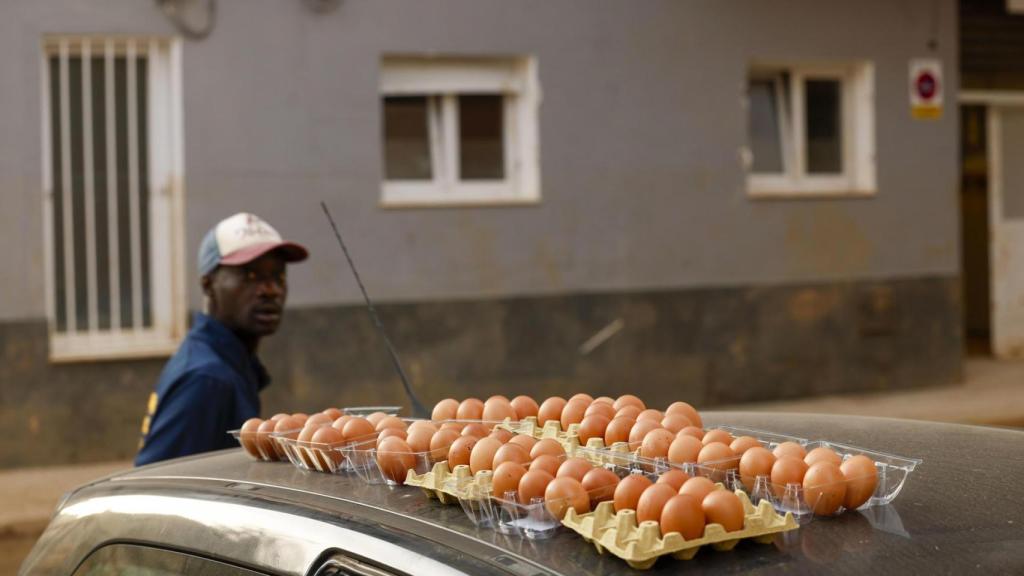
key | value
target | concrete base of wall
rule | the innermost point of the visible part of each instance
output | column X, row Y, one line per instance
column 707, row 346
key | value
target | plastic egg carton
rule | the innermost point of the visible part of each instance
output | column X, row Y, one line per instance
column 364, row 411
column 362, row 459
column 641, row 545
column 266, row 444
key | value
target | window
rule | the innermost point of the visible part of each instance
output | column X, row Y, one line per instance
column 810, row 130
column 121, row 559
column 112, row 175
column 459, row 131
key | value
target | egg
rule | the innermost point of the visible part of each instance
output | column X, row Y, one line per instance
column 824, row 487
column 630, row 412
column 482, row 455
column 510, row 453
column 861, row 480
column 426, row 424
column 501, row 435
column 475, row 429
column 445, row 409
column 627, row 493
column 525, row 407
column 574, row 467
column 683, row 514
column 247, row 436
column 694, row 431
column 674, row 478
column 618, row 430
column 787, row 470
column 498, row 397
column 391, row 433
column 725, row 508
column 340, row 422
column 318, row 418
column 498, row 409
column 547, row 463
column 505, row 480
column 684, row 449
column 564, row 493
column 457, row 426
column 573, row 412
column 822, row 454
column 440, row 444
column 551, row 409
column 606, row 400
column 651, row 414
column 717, row 435
column 593, row 426
column 533, row 484
column 639, row 431
column 306, row 433
column 628, row 400
column 460, row 450
column 755, row 462
column 547, row 446
column 600, row 484
column 278, row 416
column 743, row 443
column 675, row 422
column 470, row 409
column 333, row 413
column 601, row 409
column 582, row 396
column 656, row 443
column 686, row 410
column 395, row 459
column 698, row 487
column 327, row 439
column 301, row 416
column 789, row 449
column 375, row 418
column 289, row 424
column 419, row 439
column 524, row 440
column 652, row 501
column 265, row 443
column 717, row 455
column 390, row 422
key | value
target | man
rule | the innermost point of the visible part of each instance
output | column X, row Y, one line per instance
column 212, row 383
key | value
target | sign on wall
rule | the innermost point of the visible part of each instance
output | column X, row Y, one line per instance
column 926, row 88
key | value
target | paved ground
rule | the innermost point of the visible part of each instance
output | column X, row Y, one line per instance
column 993, row 394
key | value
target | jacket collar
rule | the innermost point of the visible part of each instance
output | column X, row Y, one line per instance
column 230, row 348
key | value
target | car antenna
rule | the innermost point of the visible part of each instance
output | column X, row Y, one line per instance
column 418, row 411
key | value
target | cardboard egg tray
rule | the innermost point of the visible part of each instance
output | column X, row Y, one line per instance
column 641, row 546
column 449, row 486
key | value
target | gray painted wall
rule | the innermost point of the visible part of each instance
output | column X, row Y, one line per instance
column 640, row 129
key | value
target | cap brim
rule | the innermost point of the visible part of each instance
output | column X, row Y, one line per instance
column 291, row 251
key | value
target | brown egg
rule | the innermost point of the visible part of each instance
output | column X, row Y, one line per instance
column 628, row 400
column 600, row 408
column 861, row 480
column 441, row 442
column 757, row 461
column 564, row 493
column 391, row 422
column 524, row 407
column 419, row 439
column 694, row 431
column 684, row 409
column 498, row 397
column 460, row 451
column 744, row 443
column 289, row 424
column 787, row 470
column 395, row 459
column 498, row 409
column 582, row 396
column 822, row 454
column 391, row 433
column 318, row 418
column 718, row 456
column 606, row 400
column 639, row 431
column 445, row 409
column 333, row 413
column 506, row 479
column 375, row 418
column 628, row 411
column 656, row 443
column 698, row 487
column 717, row 435
column 574, row 467
column 278, row 416
column 524, row 440
column 789, row 449
column 725, row 508
column 267, row 445
column 592, row 426
column 510, row 453
column 652, row 501
column 247, row 436
column 307, row 432
column 573, row 412
column 684, row 449
column 675, row 422
column 482, row 456
column 600, row 484
column 457, row 426
column 340, row 422
column 470, row 409
column 533, row 484
column 475, row 429
column 683, row 514
column 618, row 430
column 301, row 416
column 674, row 478
column 651, row 414
column 326, row 439
column 501, row 435
column 327, row 435
column 627, row 493
column 824, row 487
column 547, row 463
column 547, row 446
column 426, row 424
column 551, row 409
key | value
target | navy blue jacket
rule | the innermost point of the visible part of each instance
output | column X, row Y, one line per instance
column 210, row 385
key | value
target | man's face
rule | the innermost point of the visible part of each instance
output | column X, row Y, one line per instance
column 249, row 299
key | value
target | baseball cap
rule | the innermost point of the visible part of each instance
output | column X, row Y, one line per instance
column 242, row 238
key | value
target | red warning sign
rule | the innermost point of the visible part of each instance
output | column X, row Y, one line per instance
column 926, row 88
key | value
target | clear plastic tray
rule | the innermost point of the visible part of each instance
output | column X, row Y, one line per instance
column 367, row 410
column 266, row 444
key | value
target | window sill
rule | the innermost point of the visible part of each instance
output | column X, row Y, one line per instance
column 395, row 199
column 65, row 349
column 797, row 194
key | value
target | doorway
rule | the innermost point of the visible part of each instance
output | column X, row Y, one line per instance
column 975, row 233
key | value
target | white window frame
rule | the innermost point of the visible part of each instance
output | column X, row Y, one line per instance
column 444, row 79
column 166, row 201
column 858, row 133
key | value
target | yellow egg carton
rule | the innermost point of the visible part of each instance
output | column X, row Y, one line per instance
column 641, row 546
column 449, row 486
